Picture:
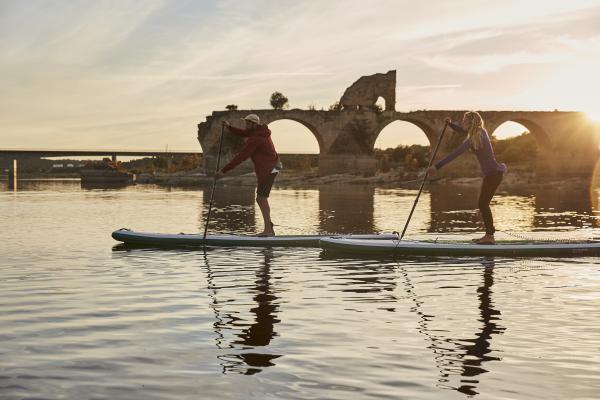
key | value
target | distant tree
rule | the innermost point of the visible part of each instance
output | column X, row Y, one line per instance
column 522, row 148
column 190, row 162
column 385, row 164
column 305, row 163
column 335, row 106
column 231, row 107
column 160, row 163
column 311, row 107
column 412, row 157
column 279, row 101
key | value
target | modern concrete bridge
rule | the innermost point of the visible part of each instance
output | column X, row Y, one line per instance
column 16, row 154
column 21, row 153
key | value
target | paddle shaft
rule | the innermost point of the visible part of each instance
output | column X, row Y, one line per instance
column 424, row 180
column 214, row 185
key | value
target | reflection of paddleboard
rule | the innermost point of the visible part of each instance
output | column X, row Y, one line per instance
column 182, row 239
column 518, row 249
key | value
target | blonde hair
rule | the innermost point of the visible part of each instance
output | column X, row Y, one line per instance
column 473, row 124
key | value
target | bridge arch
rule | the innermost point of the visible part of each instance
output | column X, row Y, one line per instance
column 347, row 137
column 508, row 130
column 426, row 128
column 541, row 137
column 401, row 133
column 306, row 124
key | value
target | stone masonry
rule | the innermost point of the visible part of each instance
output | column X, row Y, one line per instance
column 567, row 141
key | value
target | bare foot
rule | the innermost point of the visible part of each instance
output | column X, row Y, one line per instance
column 267, row 232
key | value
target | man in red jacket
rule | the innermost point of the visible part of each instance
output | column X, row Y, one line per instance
column 261, row 151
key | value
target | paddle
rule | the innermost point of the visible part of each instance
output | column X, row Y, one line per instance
column 212, row 193
column 424, row 180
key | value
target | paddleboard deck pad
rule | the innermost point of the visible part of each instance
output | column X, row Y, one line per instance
column 195, row 240
column 431, row 248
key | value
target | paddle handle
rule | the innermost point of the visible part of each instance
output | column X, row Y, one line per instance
column 437, row 147
column 214, row 185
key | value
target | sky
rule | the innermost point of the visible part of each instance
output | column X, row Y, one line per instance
column 141, row 75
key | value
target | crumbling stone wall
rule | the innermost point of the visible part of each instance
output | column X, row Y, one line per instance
column 363, row 93
column 568, row 145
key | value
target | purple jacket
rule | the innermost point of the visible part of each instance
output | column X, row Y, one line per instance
column 485, row 154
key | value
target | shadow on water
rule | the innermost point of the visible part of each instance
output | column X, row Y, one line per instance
column 462, row 357
column 254, row 336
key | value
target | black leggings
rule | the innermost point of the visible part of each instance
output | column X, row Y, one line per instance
column 488, row 189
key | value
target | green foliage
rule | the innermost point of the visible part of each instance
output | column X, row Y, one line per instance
column 299, row 162
column 279, row 101
column 412, row 157
column 518, row 149
column 190, row 162
column 335, row 106
column 385, row 165
column 160, row 163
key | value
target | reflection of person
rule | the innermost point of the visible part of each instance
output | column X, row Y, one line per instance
column 462, row 356
column 479, row 143
column 478, row 349
column 259, row 147
column 262, row 331
column 251, row 354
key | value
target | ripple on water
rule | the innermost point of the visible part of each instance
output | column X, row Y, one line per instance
column 83, row 318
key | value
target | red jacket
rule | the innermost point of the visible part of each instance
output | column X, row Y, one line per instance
column 259, row 148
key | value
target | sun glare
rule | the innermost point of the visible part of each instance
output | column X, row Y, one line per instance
column 594, row 115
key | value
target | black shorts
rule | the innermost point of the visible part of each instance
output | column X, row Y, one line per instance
column 264, row 188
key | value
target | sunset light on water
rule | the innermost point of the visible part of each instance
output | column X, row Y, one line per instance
column 299, row 199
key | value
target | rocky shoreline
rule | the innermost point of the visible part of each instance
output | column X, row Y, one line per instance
column 521, row 181
column 514, row 181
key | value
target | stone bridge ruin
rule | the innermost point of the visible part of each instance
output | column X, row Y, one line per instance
column 567, row 142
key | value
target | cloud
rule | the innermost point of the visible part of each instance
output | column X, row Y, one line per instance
column 146, row 72
column 429, row 87
column 489, row 63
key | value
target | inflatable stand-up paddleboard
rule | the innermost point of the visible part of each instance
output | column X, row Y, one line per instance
column 431, row 248
column 196, row 240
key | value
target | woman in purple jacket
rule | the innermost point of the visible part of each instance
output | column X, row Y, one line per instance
column 478, row 141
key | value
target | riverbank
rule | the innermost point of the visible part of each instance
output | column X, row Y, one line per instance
column 514, row 181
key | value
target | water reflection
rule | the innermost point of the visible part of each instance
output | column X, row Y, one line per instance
column 346, row 210
column 27, row 185
column 375, row 279
column 463, row 357
column 563, row 208
column 453, row 208
column 352, row 208
column 233, row 210
column 255, row 336
column 103, row 185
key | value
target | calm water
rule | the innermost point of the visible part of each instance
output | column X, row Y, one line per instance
column 82, row 318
